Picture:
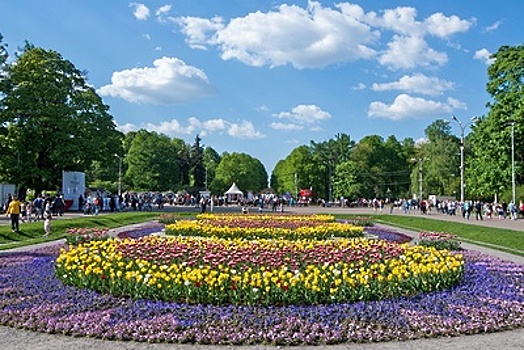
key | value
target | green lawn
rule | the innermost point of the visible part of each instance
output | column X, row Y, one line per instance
column 505, row 240
column 31, row 233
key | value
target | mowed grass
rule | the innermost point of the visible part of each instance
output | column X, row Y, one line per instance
column 501, row 239
column 31, row 233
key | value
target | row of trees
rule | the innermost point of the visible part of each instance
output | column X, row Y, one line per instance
column 52, row 120
column 373, row 167
column 154, row 162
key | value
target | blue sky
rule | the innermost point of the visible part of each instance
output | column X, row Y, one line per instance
column 263, row 77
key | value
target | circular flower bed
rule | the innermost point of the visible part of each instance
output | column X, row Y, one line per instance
column 269, row 272
column 230, row 226
column 489, row 298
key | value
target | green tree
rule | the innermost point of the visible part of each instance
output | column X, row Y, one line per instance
column 489, row 170
column 441, row 162
column 247, row 172
column 183, row 159
column 51, row 121
column 396, row 168
column 211, row 159
column 326, row 156
column 3, row 59
column 346, row 181
column 152, row 164
column 198, row 169
column 369, row 154
column 295, row 172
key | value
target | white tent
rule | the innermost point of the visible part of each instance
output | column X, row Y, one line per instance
column 234, row 194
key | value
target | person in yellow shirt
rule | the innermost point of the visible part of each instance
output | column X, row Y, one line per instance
column 14, row 210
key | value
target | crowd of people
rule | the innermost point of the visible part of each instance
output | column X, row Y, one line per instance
column 42, row 208
column 481, row 210
column 468, row 209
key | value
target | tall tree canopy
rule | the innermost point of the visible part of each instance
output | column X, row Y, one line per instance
column 198, row 170
column 489, row 170
column 152, row 164
column 339, row 167
column 247, row 172
column 51, row 121
column 326, row 156
column 295, row 172
column 211, row 159
column 438, row 159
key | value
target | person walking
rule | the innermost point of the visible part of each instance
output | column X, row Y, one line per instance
column 47, row 225
column 203, row 204
column 38, row 204
column 14, row 210
column 478, row 210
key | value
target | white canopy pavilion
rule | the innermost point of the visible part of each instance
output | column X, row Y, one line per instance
column 234, row 195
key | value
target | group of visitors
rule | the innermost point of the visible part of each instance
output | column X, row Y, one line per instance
column 490, row 211
column 95, row 202
column 40, row 208
column 478, row 209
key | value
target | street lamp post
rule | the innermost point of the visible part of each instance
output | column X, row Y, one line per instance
column 119, row 174
column 462, row 145
column 513, row 186
column 420, row 179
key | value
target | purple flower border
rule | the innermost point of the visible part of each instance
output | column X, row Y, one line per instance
column 141, row 231
column 489, row 299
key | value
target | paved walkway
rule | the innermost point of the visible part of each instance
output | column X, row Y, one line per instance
column 517, row 225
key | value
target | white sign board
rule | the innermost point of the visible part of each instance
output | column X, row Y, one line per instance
column 73, row 186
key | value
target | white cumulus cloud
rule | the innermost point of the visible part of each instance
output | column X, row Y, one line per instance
column 443, row 27
column 200, row 32
column 418, row 83
column 162, row 10
column 405, row 106
column 244, row 130
column 141, row 11
column 300, row 117
column 169, row 81
column 241, row 130
column 285, row 126
column 408, row 48
column 315, row 36
column 408, row 52
column 484, row 55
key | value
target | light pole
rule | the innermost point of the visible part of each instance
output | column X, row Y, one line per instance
column 420, row 179
column 462, row 139
column 296, row 188
column 419, row 160
column 119, row 174
column 513, row 187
